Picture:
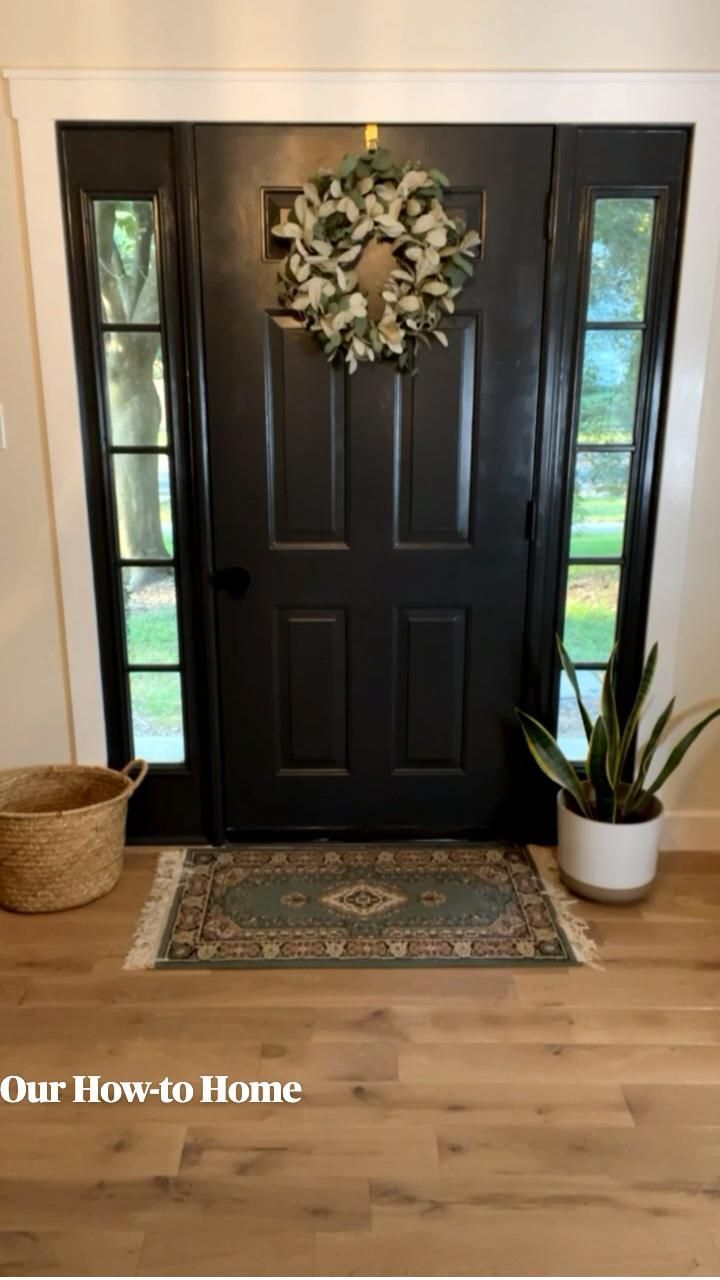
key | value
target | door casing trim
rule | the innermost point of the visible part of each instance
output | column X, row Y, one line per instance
column 41, row 98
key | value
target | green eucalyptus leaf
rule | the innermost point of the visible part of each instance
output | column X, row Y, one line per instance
column 381, row 160
column 438, row 176
column 348, row 164
column 463, row 263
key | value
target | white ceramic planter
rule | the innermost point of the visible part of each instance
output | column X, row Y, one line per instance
column 609, row 862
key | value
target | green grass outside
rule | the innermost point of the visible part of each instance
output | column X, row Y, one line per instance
column 152, row 635
column 590, row 612
column 156, row 701
column 597, row 541
column 589, row 633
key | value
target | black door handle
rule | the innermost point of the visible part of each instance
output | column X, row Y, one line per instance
column 235, row 580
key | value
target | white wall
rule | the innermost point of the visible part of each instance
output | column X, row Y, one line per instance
column 410, row 34
column 473, row 34
column 697, row 681
column 34, row 712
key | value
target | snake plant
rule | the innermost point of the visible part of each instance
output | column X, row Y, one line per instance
column 608, row 795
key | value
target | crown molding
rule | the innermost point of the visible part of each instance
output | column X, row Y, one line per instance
column 266, row 95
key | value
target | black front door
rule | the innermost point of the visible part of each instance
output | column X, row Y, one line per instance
column 370, row 646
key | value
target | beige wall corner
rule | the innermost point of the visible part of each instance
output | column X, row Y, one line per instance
column 696, row 786
column 34, row 706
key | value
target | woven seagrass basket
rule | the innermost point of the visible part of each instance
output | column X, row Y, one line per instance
column 62, row 833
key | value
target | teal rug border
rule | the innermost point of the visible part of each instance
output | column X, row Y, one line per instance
column 569, row 960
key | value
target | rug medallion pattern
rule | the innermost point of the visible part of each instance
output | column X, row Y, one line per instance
column 354, row 906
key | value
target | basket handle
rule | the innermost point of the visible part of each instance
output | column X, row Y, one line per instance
column 142, row 766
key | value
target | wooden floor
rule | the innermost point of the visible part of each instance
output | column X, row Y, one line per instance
column 474, row 1121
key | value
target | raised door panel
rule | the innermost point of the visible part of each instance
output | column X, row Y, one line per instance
column 305, row 420
column 434, row 433
column 311, row 702
column 430, row 686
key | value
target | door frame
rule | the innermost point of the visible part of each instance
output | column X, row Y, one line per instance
column 40, row 99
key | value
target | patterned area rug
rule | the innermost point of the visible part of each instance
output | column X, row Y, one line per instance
column 348, row 905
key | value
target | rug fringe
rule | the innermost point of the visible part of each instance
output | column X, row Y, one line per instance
column 153, row 917
column 576, row 930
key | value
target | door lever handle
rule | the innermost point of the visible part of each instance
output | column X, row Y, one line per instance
column 235, row 580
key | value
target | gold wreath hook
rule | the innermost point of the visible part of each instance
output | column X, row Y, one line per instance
column 371, row 137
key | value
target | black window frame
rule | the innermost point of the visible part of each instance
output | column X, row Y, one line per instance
column 591, row 162
column 178, row 802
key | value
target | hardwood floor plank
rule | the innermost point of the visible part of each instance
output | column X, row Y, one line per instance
column 414, row 1025
column 283, row 1148
column 592, row 1241
column 674, row 1104
column 623, row 986
column 664, row 942
column 236, row 1251
column 556, row 1063
column 118, row 1059
column 651, row 1158
column 101, row 1150
column 267, row 989
column 687, row 895
column 337, row 1061
column 495, row 1104
column 75, row 1252
column 338, row 1203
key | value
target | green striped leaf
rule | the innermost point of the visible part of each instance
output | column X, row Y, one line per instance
column 605, row 799
column 636, row 796
column 678, row 752
column 549, row 757
column 609, row 713
column 640, row 700
column 570, row 672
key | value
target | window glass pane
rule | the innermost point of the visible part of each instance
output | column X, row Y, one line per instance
column 622, row 238
column 571, row 734
column 591, row 611
column 150, row 616
column 127, row 261
column 144, row 510
column 611, row 365
column 135, row 388
column 600, row 498
column 157, row 723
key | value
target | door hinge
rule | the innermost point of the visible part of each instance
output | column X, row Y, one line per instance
column 531, row 520
column 550, row 216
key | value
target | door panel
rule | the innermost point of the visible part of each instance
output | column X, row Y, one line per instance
column 370, row 672
column 430, row 675
column 310, row 689
column 433, row 484
column 306, row 440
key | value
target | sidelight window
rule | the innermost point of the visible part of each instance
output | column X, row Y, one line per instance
column 606, row 437
column 138, row 443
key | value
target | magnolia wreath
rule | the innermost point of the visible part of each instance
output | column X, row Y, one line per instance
column 336, row 220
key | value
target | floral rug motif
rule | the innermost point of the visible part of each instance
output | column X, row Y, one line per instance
column 350, row 905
